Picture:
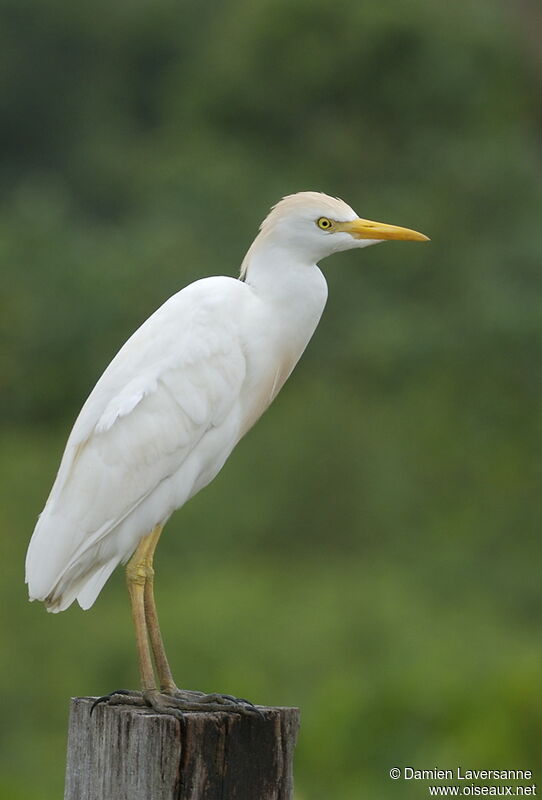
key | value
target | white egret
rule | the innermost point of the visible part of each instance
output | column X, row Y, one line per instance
column 168, row 411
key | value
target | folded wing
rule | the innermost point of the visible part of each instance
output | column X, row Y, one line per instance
column 134, row 453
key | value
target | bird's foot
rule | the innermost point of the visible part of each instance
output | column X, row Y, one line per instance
column 178, row 701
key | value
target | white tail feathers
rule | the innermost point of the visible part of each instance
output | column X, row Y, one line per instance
column 85, row 590
column 57, row 572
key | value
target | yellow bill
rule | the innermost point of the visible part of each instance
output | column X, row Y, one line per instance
column 366, row 229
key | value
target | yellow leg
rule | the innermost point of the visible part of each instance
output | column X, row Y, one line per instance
column 163, row 670
column 168, row 699
column 137, row 573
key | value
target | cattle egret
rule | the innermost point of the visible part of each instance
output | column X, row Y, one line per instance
column 168, row 411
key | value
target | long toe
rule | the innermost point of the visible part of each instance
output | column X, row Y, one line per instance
column 189, row 700
column 227, row 700
column 128, row 697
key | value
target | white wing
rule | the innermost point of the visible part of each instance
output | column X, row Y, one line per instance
column 158, row 426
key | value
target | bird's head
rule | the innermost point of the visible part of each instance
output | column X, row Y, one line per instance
column 313, row 225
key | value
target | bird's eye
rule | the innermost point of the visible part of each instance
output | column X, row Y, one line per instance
column 324, row 223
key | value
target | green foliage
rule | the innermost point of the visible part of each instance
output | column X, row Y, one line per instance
column 371, row 551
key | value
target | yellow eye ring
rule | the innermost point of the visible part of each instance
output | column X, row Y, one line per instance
column 324, row 224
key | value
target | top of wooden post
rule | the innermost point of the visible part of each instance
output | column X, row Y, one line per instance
column 131, row 753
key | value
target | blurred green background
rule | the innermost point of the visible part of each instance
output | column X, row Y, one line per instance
column 371, row 552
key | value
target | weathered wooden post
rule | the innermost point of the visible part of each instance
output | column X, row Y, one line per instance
column 132, row 753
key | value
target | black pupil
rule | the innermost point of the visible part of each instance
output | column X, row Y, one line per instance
column 325, row 223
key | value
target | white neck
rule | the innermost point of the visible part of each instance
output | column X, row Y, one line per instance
column 285, row 278
column 291, row 294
